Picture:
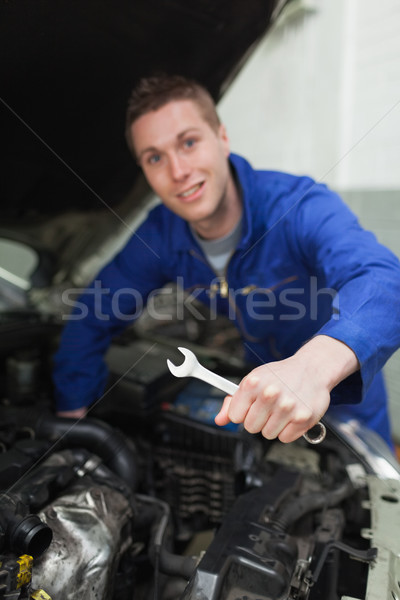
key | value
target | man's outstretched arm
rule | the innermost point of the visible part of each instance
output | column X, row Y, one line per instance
column 286, row 398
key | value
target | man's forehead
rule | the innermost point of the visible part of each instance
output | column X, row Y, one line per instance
column 166, row 124
column 179, row 108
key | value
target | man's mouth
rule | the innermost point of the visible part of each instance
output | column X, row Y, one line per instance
column 191, row 190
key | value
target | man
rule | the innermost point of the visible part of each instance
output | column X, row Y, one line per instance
column 314, row 296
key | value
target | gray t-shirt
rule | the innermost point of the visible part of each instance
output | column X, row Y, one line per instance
column 219, row 251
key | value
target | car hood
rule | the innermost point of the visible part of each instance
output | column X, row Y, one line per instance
column 66, row 75
column 70, row 190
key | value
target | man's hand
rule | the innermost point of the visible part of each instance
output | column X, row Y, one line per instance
column 286, row 398
column 78, row 413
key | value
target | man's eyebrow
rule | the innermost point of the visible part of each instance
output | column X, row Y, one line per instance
column 186, row 131
column 179, row 137
column 149, row 149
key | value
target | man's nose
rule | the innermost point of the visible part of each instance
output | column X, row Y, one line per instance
column 179, row 167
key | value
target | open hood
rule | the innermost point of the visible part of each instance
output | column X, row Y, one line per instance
column 66, row 73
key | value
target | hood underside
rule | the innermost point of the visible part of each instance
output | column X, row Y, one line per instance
column 67, row 69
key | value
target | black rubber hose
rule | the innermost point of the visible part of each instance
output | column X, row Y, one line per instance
column 23, row 533
column 310, row 502
column 98, row 437
column 173, row 564
column 167, row 562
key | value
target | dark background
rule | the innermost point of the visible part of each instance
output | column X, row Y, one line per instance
column 66, row 71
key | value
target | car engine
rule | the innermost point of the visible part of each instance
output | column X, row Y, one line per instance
column 147, row 499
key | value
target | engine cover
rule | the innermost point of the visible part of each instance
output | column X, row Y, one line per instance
column 249, row 559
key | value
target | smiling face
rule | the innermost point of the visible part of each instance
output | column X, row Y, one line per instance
column 185, row 161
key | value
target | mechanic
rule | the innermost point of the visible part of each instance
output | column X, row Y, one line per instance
column 314, row 296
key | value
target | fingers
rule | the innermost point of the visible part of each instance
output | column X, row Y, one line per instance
column 270, row 410
column 288, row 430
column 236, row 412
column 277, row 400
column 222, row 417
column 291, row 433
column 262, row 408
column 244, row 398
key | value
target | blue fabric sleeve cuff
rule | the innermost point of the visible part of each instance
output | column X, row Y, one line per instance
column 353, row 389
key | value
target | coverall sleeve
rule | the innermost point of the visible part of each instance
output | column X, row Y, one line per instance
column 112, row 301
column 364, row 273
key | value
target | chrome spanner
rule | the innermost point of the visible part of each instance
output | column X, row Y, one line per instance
column 192, row 368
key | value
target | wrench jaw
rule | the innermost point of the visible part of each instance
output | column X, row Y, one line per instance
column 175, row 370
column 186, row 368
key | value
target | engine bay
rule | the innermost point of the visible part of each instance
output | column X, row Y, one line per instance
column 147, row 498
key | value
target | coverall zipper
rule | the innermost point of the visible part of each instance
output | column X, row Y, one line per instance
column 222, row 287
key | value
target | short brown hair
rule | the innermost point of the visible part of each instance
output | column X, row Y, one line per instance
column 151, row 93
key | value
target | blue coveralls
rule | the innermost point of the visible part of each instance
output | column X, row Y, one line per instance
column 303, row 266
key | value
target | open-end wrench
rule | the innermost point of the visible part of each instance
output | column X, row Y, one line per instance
column 192, row 368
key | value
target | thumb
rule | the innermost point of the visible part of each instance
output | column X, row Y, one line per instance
column 222, row 417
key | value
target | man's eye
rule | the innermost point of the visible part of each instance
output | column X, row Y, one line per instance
column 189, row 143
column 154, row 159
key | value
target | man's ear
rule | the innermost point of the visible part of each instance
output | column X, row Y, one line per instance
column 222, row 133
